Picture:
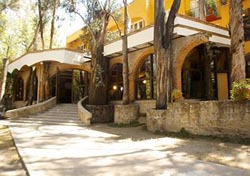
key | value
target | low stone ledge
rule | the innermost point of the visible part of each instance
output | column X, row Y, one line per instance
column 218, row 118
column 125, row 114
column 84, row 115
column 32, row 109
column 101, row 113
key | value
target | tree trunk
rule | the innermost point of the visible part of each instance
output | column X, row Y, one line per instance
column 41, row 24
column 125, row 71
column 98, row 79
column 4, row 77
column 237, row 41
column 202, row 10
column 52, row 24
column 46, row 80
column 163, row 35
column 208, row 56
column 31, row 87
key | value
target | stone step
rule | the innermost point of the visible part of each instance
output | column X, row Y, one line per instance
column 74, row 114
column 53, row 117
column 54, row 120
column 42, row 122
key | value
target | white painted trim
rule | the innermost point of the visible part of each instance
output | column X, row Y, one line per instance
column 184, row 27
column 60, row 55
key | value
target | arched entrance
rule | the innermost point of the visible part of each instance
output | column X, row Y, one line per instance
column 69, row 86
column 205, row 72
column 146, row 79
column 247, row 58
column 116, row 82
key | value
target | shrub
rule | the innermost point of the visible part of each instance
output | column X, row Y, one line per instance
column 241, row 90
column 176, row 95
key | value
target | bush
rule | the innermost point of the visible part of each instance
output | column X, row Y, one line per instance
column 177, row 95
column 241, row 90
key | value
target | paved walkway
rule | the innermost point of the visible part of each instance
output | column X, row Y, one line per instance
column 49, row 148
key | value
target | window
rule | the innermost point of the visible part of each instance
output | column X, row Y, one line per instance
column 246, row 19
column 194, row 8
column 211, row 10
column 247, row 58
column 19, row 89
column 138, row 25
column 83, row 47
column 116, row 83
column 146, row 83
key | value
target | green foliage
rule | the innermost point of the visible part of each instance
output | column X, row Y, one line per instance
column 176, row 95
column 241, row 90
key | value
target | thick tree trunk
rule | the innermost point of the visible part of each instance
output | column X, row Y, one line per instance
column 161, row 60
column 4, row 77
column 237, row 41
column 52, row 30
column 41, row 23
column 125, row 68
column 98, row 79
column 31, row 87
column 46, row 80
column 163, row 36
column 208, row 56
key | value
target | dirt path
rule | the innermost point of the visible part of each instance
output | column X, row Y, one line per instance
column 10, row 164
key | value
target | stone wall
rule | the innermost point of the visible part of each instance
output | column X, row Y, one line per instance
column 145, row 105
column 126, row 114
column 29, row 110
column 101, row 113
column 220, row 118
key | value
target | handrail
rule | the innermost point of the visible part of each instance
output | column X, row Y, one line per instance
column 84, row 115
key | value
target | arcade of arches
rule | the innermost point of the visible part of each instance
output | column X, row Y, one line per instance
column 204, row 76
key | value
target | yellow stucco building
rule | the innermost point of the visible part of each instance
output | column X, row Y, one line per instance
column 189, row 75
column 196, row 45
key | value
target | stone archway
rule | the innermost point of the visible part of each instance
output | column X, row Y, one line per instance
column 182, row 47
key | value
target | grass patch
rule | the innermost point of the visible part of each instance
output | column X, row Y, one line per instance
column 132, row 124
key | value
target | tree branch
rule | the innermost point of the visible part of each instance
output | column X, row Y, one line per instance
column 117, row 25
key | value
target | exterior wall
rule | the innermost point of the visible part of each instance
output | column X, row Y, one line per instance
column 145, row 105
column 220, row 118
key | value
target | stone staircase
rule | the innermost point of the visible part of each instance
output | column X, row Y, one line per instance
column 61, row 114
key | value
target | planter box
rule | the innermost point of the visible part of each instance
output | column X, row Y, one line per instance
column 125, row 114
column 101, row 113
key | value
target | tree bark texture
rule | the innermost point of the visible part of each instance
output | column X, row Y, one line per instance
column 208, row 56
column 161, row 60
column 237, row 41
column 125, row 69
column 46, row 80
column 163, row 35
column 4, row 77
column 31, row 87
column 52, row 30
column 41, row 23
column 98, row 78
column 99, row 65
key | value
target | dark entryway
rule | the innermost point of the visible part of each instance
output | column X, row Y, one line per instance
column 64, row 92
column 205, row 73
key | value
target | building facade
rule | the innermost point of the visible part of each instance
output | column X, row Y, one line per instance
column 201, row 58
